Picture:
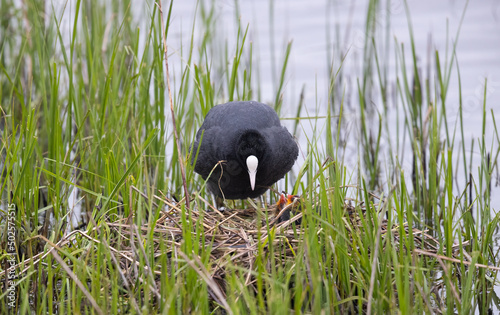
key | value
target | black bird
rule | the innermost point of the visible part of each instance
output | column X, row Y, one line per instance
column 253, row 149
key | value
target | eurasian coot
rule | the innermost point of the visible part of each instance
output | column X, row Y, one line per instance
column 247, row 138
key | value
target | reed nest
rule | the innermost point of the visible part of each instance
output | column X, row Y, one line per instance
column 233, row 237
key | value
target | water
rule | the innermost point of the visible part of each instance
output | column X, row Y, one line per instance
column 319, row 28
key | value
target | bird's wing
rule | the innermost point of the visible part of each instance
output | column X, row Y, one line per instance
column 208, row 149
column 283, row 146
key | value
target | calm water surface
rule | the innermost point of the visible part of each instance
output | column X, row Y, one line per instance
column 320, row 29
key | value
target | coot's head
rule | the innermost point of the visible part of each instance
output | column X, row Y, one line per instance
column 250, row 150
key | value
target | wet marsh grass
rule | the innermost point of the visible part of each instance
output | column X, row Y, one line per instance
column 93, row 112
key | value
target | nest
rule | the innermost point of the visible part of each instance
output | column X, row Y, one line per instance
column 235, row 237
column 232, row 235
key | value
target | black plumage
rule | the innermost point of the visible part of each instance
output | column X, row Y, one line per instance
column 232, row 133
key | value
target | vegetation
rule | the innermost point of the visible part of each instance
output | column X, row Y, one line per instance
column 93, row 113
